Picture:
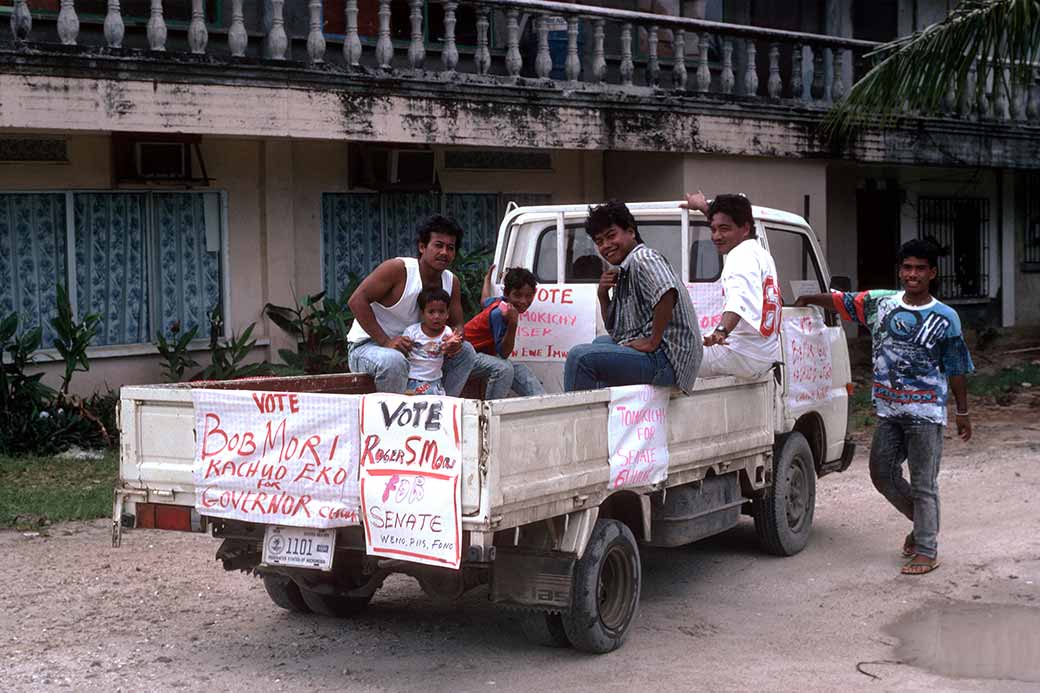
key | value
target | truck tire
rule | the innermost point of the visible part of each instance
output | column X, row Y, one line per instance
column 285, row 593
column 783, row 517
column 544, row 629
column 605, row 595
column 335, row 605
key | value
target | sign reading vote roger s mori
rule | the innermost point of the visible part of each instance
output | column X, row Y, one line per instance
column 411, row 460
column 276, row 458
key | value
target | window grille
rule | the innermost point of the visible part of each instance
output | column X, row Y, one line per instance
column 961, row 228
column 1031, row 247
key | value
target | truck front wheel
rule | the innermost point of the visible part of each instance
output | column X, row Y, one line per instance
column 285, row 593
column 605, row 595
column 784, row 516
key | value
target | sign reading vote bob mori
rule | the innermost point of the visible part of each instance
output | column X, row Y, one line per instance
column 276, row 458
column 411, row 459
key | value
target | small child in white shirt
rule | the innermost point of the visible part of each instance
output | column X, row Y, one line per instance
column 426, row 358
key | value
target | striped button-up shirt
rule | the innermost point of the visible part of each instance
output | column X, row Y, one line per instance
column 644, row 279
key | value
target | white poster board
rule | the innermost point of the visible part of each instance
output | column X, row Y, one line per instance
column 708, row 300
column 561, row 316
column 276, row 458
column 637, row 435
column 411, row 459
column 807, row 358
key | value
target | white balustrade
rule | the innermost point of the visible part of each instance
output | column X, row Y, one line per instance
column 198, row 36
column 543, row 60
column 838, row 85
column 482, row 58
column 573, row 65
column 450, row 53
column 352, row 43
column 114, row 28
column 774, row 86
column 514, row 62
column 751, row 70
column 156, row 27
column 653, row 64
column 599, row 57
column 384, row 46
column 238, row 39
column 316, row 33
column 726, row 78
column 797, row 82
column 679, row 68
column 21, row 20
column 703, row 70
column 627, row 67
column 417, row 47
column 68, row 23
column 277, row 39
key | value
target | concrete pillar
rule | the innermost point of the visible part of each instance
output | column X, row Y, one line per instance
column 1006, row 189
column 277, row 236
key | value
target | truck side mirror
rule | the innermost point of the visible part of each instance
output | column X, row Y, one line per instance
column 840, row 282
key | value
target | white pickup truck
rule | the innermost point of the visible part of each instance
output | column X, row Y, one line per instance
column 540, row 527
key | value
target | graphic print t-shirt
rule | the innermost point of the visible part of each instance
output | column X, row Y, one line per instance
column 752, row 291
column 427, row 357
column 916, row 348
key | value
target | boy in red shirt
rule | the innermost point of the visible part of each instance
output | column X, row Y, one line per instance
column 493, row 332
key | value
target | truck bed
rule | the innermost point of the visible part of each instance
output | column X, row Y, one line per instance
column 524, row 459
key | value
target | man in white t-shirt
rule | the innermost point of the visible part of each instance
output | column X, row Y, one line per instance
column 746, row 343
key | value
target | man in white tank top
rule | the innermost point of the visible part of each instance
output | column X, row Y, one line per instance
column 384, row 304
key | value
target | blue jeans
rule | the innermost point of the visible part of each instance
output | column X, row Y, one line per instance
column 920, row 444
column 504, row 375
column 604, row 363
column 390, row 368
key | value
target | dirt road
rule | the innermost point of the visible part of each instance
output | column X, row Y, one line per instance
column 160, row 614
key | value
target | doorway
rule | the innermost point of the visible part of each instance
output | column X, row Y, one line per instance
column 877, row 238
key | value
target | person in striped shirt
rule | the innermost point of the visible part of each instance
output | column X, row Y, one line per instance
column 654, row 338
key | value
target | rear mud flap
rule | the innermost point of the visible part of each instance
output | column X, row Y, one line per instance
column 532, row 579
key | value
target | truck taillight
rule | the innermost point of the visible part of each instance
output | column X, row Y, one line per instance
column 850, row 388
column 180, row 518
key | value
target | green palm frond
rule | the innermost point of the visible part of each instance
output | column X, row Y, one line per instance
column 914, row 74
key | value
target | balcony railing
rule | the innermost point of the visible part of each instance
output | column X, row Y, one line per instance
column 540, row 43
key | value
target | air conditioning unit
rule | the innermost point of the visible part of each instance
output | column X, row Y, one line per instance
column 162, row 160
column 382, row 168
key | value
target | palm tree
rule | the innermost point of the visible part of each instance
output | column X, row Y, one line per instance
column 917, row 73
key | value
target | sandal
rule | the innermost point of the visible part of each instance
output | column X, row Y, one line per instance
column 909, row 548
column 920, row 564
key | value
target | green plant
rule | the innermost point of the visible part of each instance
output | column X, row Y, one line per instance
column 73, row 338
column 100, row 408
column 175, row 356
column 470, row 269
column 319, row 324
column 227, row 355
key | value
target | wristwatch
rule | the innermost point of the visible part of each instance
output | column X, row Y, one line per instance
column 723, row 330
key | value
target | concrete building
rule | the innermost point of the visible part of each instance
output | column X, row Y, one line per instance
column 165, row 162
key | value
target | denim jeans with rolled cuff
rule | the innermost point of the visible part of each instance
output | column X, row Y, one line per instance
column 504, row 376
column 603, row 363
column 920, row 444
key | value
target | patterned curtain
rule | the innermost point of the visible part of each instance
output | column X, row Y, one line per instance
column 477, row 214
column 402, row 214
column 111, row 270
column 32, row 258
column 189, row 270
column 351, row 237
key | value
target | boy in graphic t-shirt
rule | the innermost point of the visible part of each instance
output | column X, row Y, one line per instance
column 746, row 343
column 918, row 353
column 428, row 338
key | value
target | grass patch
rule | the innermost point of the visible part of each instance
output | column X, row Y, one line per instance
column 1005, row 381
column 35, row 491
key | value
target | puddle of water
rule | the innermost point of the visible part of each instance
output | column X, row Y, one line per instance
column 985, row 641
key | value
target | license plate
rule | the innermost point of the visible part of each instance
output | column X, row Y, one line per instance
column 299, row 547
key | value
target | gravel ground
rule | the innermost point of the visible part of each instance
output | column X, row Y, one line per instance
column 159, row 614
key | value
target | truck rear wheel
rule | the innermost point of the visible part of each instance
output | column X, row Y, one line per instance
column 545, row 629
column 783, row 517
column 605, row 596
column 335, row 605
column 285, row 593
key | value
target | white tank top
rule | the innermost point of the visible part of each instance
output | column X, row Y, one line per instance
column 405, row 312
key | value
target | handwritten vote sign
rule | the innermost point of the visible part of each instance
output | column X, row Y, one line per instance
column 807, row 357
column 411, row 460
column 637, row 434
column 708, row 300
column 276, row 458
column 561, row 316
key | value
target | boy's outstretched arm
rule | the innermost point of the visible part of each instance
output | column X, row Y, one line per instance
column 825, row 301
column 486, row 290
